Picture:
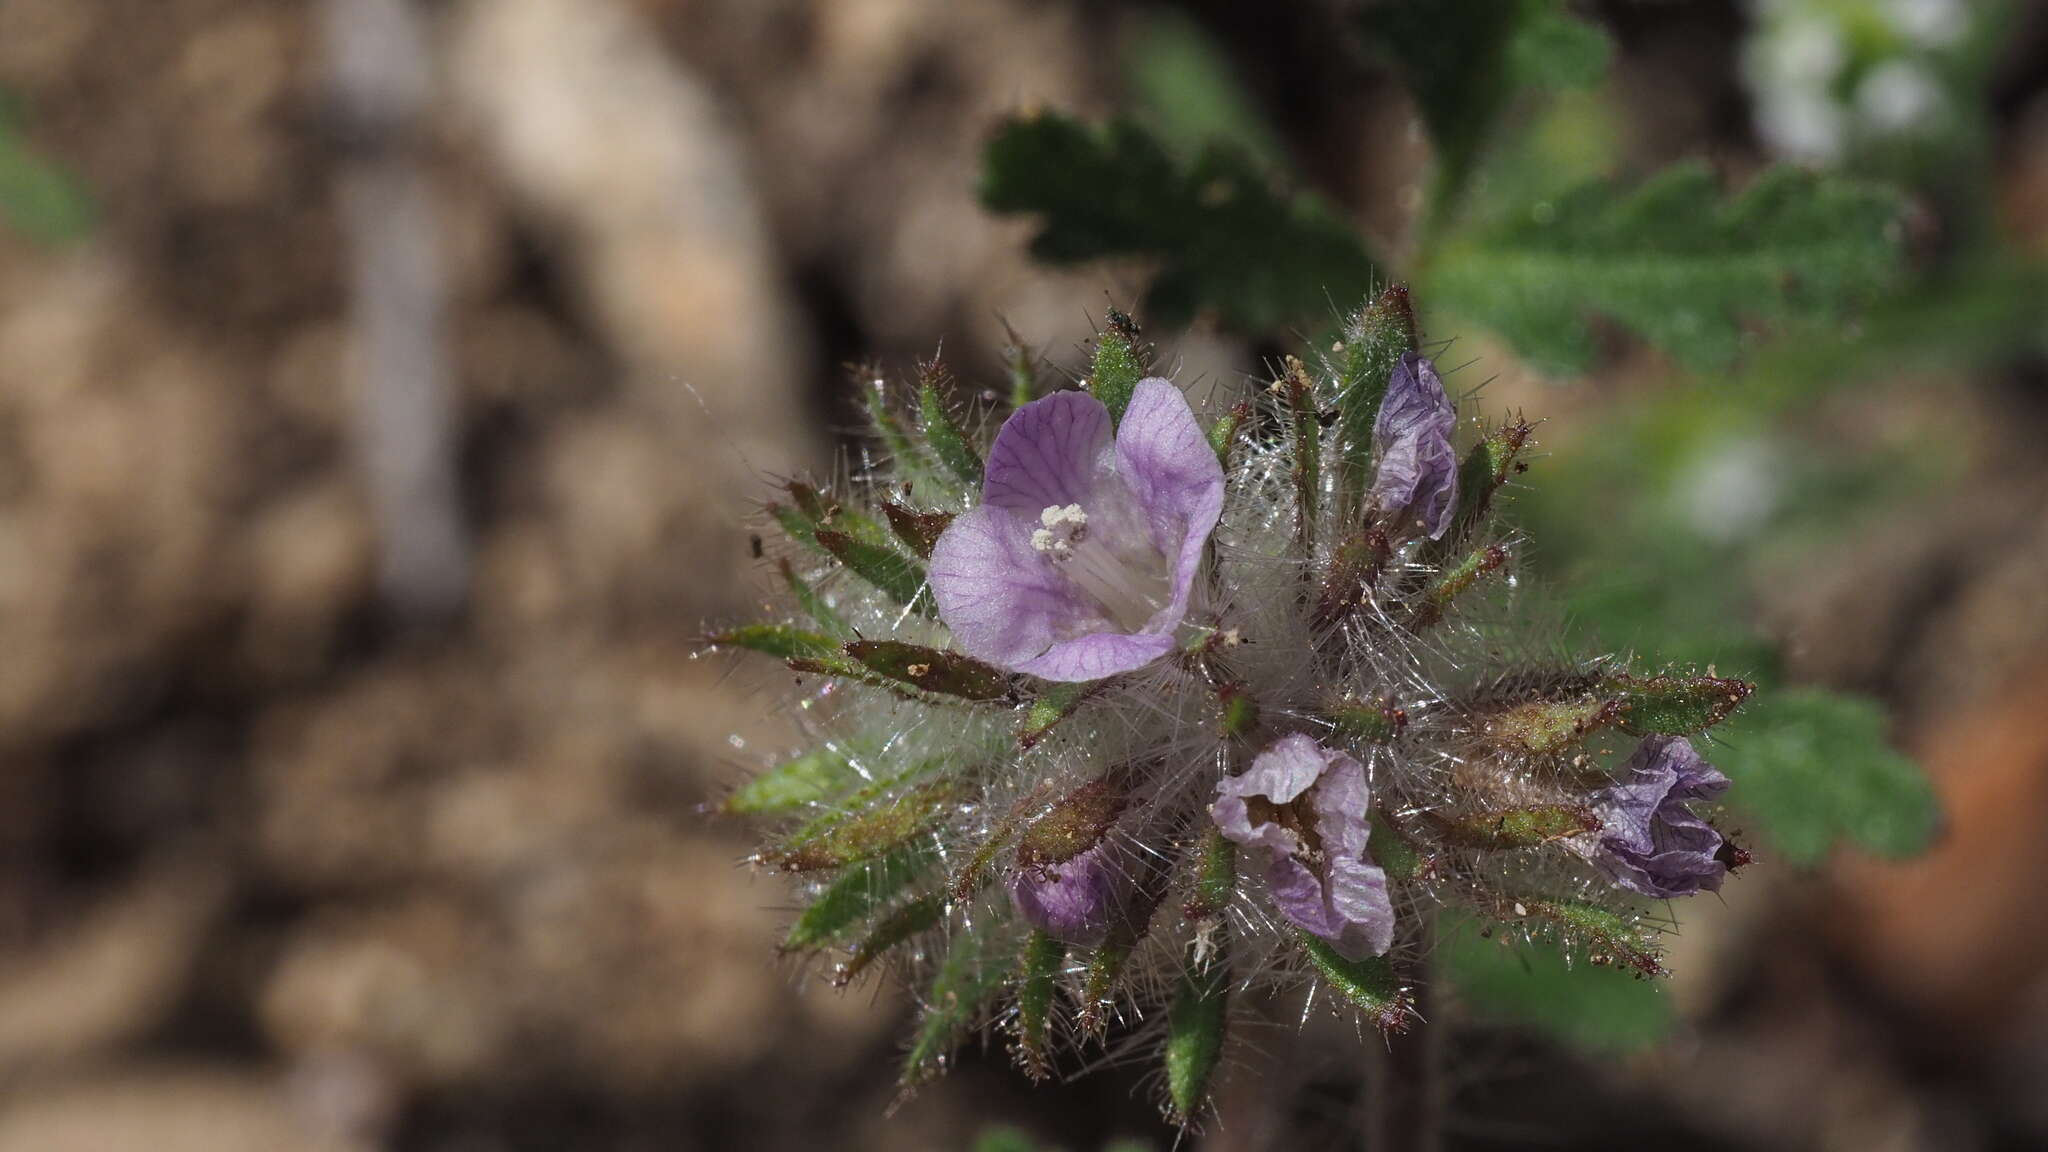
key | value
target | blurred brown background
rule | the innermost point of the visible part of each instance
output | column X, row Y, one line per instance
column 370, row 462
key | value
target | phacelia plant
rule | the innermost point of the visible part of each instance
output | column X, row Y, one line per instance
column 1115, row 716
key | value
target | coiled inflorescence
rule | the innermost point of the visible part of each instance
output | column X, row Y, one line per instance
column 1115, row 710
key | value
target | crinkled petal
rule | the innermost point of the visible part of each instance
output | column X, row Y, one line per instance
column 1003, row 600
column 1347, row 903
column 1076, row 901
column 1049, row 452
column 1649, row 840
column 1416, row 464
column 1174, row 478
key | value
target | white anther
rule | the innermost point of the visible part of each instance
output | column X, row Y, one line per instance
column 1064, row 528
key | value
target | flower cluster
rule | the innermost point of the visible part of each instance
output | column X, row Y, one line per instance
column 1120, row 709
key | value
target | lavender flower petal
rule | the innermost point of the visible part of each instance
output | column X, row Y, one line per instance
column 1173, row 475
column 1048, row 453
column 1346, row 902
column 1004, row 602
column 1650, row 841
column 1147, row 499
column 1076, row 901
column 1417, row 476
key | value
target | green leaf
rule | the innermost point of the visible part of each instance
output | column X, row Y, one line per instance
column 1815, row 769
column 1044, row 958
column 897, row 576
column 813, row 604
column 904, row 922
column 931, row 669
column 855, row 896
column 948, row 442
column 1585, row 1006
column 1675, row 262
column 809, row 778
column 866, row 832
column 1464, row 61
column 778, row 640
column 1227, row 241
column 968, row 978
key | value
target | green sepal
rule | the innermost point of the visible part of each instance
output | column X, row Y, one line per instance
column 931, row 670
column 891, row 572
column 1547, row 727
column 1392, row 850
column 1371, row 985
column 810, row 512
column 1098, row 987
column 1454, row 581
column 911, row 460
column 1046, row 712
column 806, row 779
column 1485, row 470
column 970, row 976
column 868, row 832
column 1022, row 367
column 1194, row 1034
column 1373, row 344
column 1215, row 877
column 779, row 640
column 1043, row 959
column 1237, row 711
column 1517, row 827
column 853, row 897
column 1609, row 937
column 1374, row 721
column 1118, row 367
column 1223, row 433
column 903, row 922
column 1675, row 705
column 1076, row 822
column 948, row 442
column 919, row 531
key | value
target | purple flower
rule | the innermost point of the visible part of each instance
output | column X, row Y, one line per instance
column 1075, row 901
column 1411, row 441
column 1649, row 840
column 1305, row 806
column 1079, row 562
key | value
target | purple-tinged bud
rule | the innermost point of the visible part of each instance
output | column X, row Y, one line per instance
column 1416, row 469
column 1076, row 902
column 1649, row 839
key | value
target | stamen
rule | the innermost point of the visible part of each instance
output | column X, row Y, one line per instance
column 1127, row 595
column 1064, row 528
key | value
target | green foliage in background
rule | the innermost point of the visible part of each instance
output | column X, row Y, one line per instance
column 1226, row 239
column 1464, row 61
column 1590, row 1008
column 1674, row 261
column 37, row 198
